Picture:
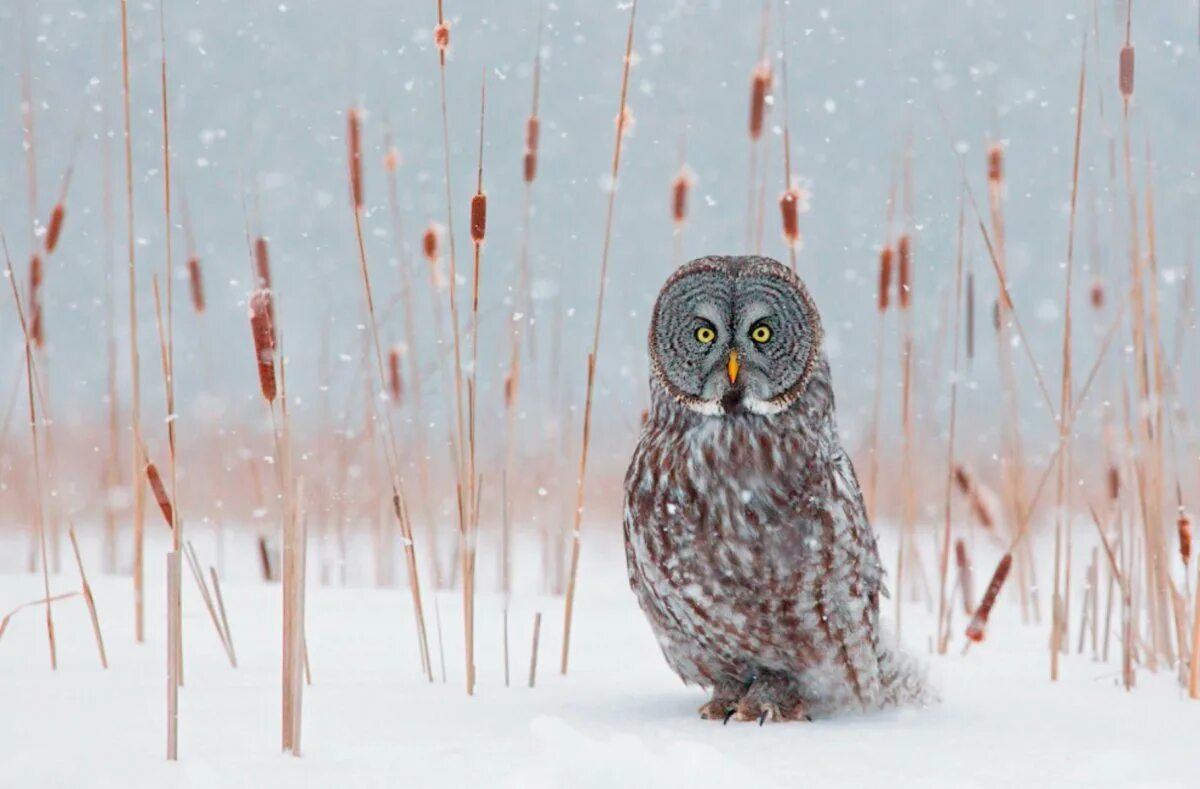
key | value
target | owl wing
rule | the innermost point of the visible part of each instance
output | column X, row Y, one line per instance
column 844, row 577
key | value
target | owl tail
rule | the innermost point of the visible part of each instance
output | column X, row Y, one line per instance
column 903, row 680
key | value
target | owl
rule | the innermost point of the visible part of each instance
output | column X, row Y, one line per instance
column 746, row 539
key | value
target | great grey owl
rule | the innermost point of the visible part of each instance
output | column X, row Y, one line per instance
column 747, row 542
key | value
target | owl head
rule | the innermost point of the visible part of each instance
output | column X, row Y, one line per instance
column 734, row 334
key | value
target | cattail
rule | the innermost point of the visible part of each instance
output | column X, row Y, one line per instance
column 197, row 285
column 1114, row 483
column 262, row 327
column 760, row 86
column 510, row 391
column 532, row 132
column 160, row 493
column 995, row 165
column 975, row 630
column 679, row 195
column 262, row 262
column 1097, row 295
column 1184, row 524
column 441, row 37
column 886, row 256
column 1125, row 76
column 391, row 160
column 394, row 385
column 478, row 217
column 904, row 282
column 789, row 209
column 966, row 580
column 36, row 328
column 354, row 138
column 429, row 244
column 54, row 229
column 975, row 495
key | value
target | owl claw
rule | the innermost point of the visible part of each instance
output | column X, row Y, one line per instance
column 728, row 715
column 763, row 718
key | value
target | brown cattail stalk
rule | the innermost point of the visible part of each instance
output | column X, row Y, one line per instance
column 1183, row 526
column 978, row 626
column 533, row 652
column 37, row 331
column 263, row 331
column 86, row 589
column 885, row 276
column 196, row 283
column 944, row 557
column 394, row 385
column 139, row 492
column 54, row 228
column 904, row 280
column 174, row 661
column 679, row 196
column 966, row 577
column 39, row 511
column 532, row 132
column 354, row 138
column 568, row 608
column 160, row 493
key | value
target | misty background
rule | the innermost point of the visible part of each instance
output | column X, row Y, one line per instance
column 258, row 100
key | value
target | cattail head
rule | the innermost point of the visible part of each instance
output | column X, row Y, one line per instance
column 54, row 230
column 391, row 160
column 789, row 209
column 1114, row 483
column 995, row 165
column 904, row 281
column 1097, row 295
column 478, row 217
column 441, row 37
column 965, row 575
column 532, row 132
column 395, row 386
column 510, row 391
column 197, row 285
column 1125, row 72
column 977, row 496
column 160, row 493
column 354, row 140
column 760, row 86
column 262, row 262
column 978, row 625
column 1184, row 526
column 679, row 195
column 429, row 243
column 263, row 330
column 37, row 332
column 885, row 276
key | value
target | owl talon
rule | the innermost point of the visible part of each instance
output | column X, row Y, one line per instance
column 728, row 715
column 763, row 718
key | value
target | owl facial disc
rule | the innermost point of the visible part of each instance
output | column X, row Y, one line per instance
column 733, row 335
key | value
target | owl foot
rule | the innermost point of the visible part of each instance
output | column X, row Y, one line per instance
column 725, row 696
column 772, row 696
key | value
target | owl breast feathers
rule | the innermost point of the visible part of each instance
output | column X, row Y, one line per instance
column 746, row 538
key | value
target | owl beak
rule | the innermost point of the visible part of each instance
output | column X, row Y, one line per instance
column 733, row 367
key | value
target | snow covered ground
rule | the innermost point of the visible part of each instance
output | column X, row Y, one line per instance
column 620, row 718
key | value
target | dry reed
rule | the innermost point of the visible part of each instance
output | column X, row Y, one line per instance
column 568, row 608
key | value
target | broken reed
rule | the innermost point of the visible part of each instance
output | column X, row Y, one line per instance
column 622, row 118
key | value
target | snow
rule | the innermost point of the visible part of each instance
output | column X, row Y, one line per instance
column 619, row 717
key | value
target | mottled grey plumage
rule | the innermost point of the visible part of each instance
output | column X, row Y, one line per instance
column 747, row 542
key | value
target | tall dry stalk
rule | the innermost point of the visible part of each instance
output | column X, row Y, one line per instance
column 622, row 117
column 943, row 632
column 39, row 511
column 1062, row 525
column 135, row 387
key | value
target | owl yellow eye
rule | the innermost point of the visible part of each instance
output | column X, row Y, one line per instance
column 706, row 334
column 761, row 333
